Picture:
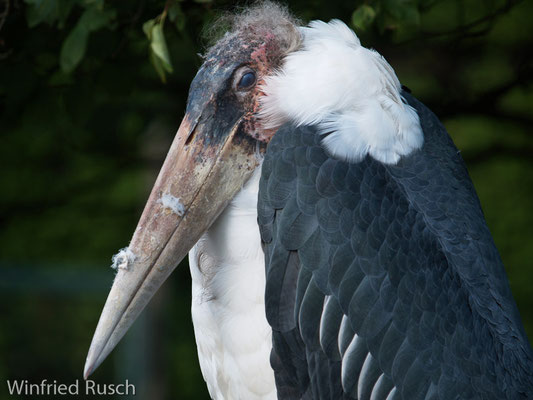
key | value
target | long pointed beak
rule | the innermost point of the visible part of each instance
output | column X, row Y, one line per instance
column 206, row 166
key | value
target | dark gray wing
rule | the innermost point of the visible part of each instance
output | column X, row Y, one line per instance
column 383, row 282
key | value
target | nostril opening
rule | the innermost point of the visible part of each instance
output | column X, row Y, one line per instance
column 191, row 135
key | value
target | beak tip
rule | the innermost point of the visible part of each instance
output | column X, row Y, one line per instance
column 87, row 370
column 90, row 365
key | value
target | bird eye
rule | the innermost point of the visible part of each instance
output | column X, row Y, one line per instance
column 247, row 80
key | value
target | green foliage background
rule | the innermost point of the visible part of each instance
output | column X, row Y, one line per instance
column 91, row 94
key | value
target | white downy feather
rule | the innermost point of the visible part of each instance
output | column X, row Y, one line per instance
column 349, row 91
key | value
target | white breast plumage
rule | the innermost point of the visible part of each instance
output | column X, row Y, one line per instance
column 228, row 310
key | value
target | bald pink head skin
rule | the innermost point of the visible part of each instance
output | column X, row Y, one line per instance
column 251, row 50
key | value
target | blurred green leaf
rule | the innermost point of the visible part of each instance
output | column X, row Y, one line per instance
column 60, row 78
column 75, row 44
column 48, row 11
column 411, row 15
column 159, row 47
column 177, row 16
column 63, row 12
column 73, row 48
column 394, row 7
column 94, row 19
column 405, row 12
column 147, row 28
column 158, row 66
column 99, row 4
column 41, row 11
column 363, row 17
column 174, row 11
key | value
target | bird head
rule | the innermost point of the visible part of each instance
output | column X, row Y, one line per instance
column 217, row 147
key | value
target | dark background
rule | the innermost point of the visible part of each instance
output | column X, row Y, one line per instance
column 89, row 106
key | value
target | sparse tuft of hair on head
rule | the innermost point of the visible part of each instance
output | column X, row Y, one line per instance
column 258, row 19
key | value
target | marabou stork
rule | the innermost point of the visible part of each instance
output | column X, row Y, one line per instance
column 300, row 155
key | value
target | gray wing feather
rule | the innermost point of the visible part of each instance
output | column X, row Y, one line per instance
column 383, row 281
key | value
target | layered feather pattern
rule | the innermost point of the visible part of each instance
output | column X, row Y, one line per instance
column 382, row 280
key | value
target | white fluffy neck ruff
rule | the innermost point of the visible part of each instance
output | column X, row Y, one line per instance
column 351, row 93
